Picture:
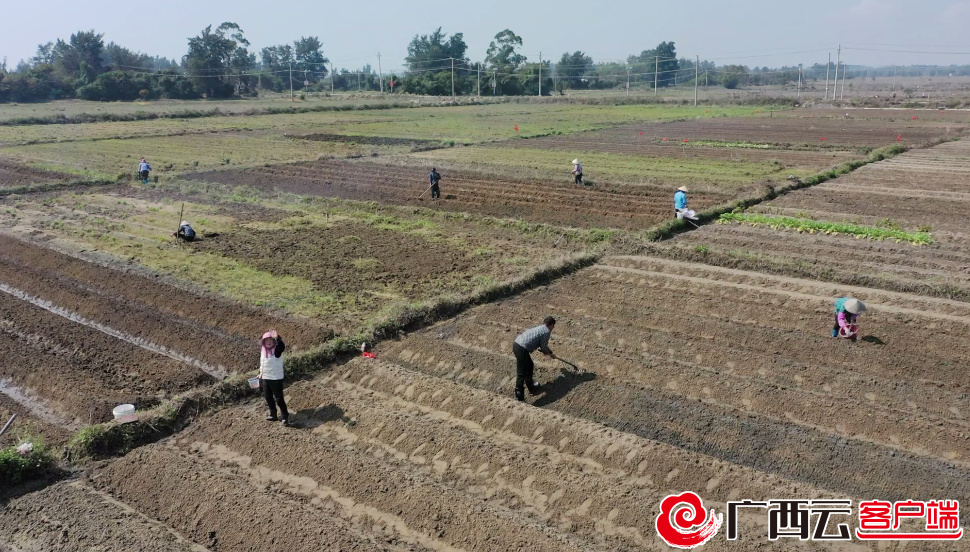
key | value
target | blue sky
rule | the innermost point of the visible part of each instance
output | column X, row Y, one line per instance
column 750, row 32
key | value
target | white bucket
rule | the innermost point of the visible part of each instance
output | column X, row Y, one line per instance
column 123, row 410
column 254, row 383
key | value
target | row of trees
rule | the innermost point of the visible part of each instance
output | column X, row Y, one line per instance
column 219, row 63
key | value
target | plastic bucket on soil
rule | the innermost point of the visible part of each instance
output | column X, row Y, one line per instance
column 254, row 383
column 124, row 413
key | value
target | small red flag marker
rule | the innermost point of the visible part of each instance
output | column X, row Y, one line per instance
column 516, row 128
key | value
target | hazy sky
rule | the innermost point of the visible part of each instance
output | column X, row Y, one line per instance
column 750, row 32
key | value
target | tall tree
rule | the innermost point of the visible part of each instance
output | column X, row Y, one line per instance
column 571, row 69
column 45, row 54
column 80, row 57
column 429, row 62
column 502, row 61
column 309, row 57
column 212, row 57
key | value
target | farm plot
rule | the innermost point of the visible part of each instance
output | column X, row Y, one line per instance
column 922, row 190
column 374, row 444
column 465, row 191
column 88, row 337
column 13, row 175
column 785, row 132
column 739, row 366
column 171, row 155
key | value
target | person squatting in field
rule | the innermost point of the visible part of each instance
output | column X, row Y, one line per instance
column 185, row 232
column 525, row 343
column 577, row 171
column 143, row 169
column 847, row 311
column 271, row 375
column 434, row 178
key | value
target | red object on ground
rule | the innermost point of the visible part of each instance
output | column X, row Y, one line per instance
column 822, row 138
column 914, row 117
column 641, row 133
column 664, row 139
column 685, row 140
column 516, row 128
column 368, row 355
column 899, row 138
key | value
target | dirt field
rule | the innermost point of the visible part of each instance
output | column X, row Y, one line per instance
column 534, row 201
column 922, row 188
column 13, row 175
column 93, row 337
column 781, row 132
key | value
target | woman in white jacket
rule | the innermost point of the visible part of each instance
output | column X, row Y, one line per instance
column 271, row 375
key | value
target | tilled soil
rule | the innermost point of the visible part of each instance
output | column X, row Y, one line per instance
column 349, row 257
column 789, row 132
column 217, row 332
column 390, row 455
column 28, row 424
column 739, row 366
column 81, row 370
column 13, row 174
column 535, row 201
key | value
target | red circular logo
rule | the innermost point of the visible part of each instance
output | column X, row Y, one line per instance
column 691, row 526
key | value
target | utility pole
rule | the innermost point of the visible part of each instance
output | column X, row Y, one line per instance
column 479, row 80
column 358, row 81
column 697, row 68
column 627, row 81
column 291, row 81
column 380, row 72
column 540, row 74
column 894, row 80
column 452, row 78
column 656, row 72
column 799, row 97
column 331, row 77
column 838, row 62
column 845, row 69
column 494, row 79
column 827, row 67
column 705, row 80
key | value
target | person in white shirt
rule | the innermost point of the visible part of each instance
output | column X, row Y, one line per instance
column 271, row 375
column 578, row 171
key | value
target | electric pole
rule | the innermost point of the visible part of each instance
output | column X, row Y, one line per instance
column 494, row 78
column 799, row 97
column 540, row 74
column 627, row 81
column 656, row 72
column 479, row 80
column 697, row 68
column 452, row 79
column 705, row 80
column 331, row 77
column 845, row 69
column 827, row 67
column 380, row 71
column 838, row 62
column 291, row 81
column 894, row 80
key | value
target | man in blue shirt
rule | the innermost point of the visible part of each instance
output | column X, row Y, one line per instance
column 185, row 232
column 143, row 169
column 434, row 178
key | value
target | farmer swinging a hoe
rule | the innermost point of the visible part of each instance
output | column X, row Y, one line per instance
column 434, row 178
column 527, row 342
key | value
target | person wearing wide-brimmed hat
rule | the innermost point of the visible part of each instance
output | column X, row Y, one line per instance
column 578, row 171
column 680, row 201
column 847, row 311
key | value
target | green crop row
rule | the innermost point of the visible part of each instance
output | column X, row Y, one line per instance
column 831, row 228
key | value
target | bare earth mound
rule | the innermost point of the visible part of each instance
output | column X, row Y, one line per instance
column 13, row 175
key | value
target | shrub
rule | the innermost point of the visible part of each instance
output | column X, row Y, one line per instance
column 16, row 467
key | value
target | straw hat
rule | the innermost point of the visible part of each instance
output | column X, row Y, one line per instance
column 185, row 223
column 855, row 306
column 682, row 189
column 575, row 161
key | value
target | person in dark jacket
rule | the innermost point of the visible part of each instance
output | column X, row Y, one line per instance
column 271, row 375
column 185, row 232
column 434, row 178
column 527, row 342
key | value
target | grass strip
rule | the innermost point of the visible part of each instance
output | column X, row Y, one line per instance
column 776, row 222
